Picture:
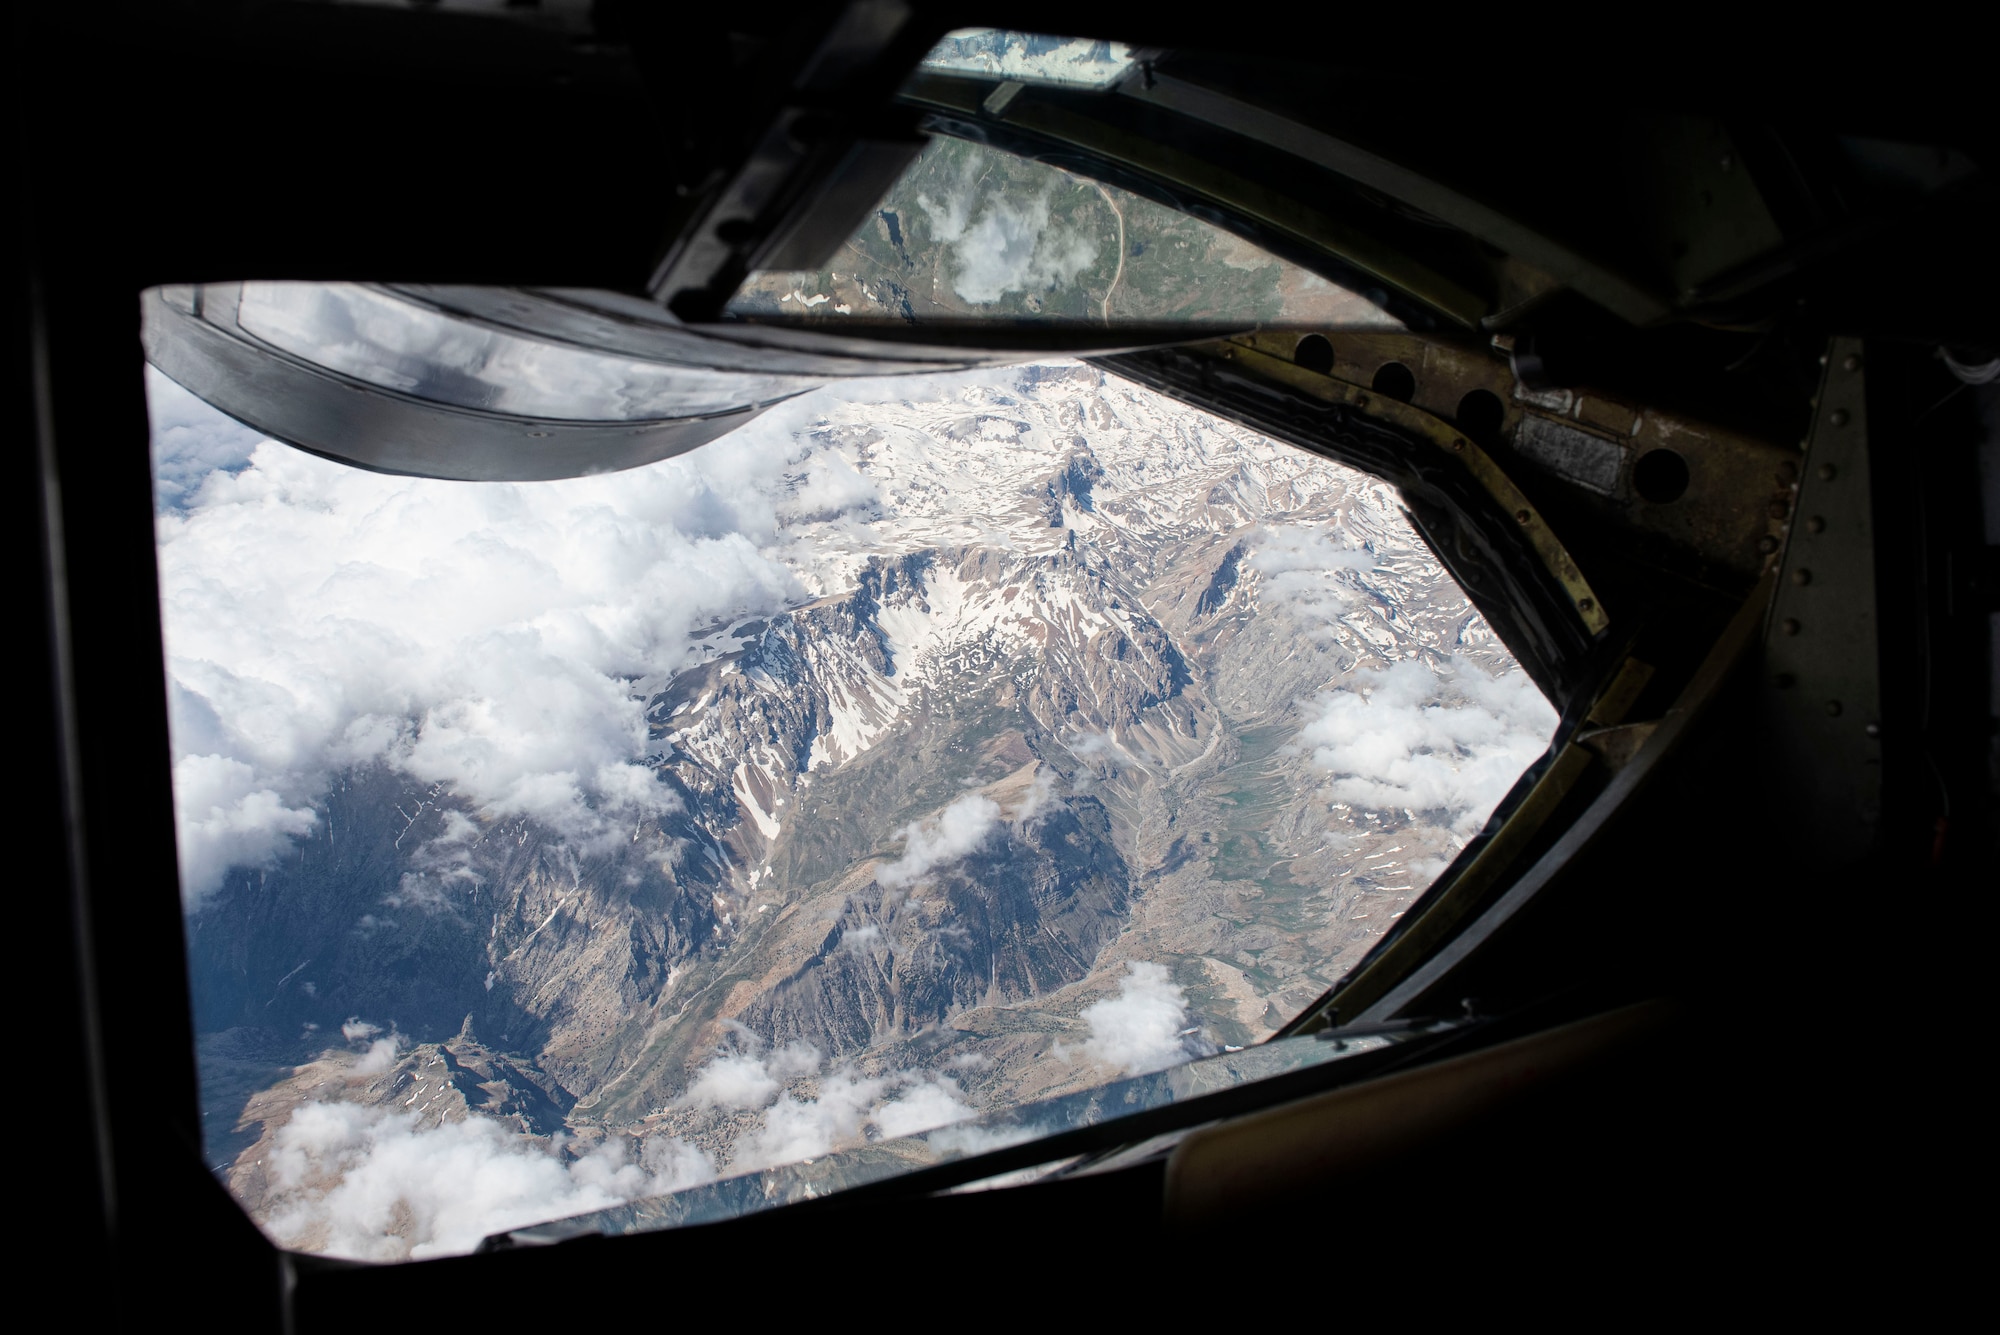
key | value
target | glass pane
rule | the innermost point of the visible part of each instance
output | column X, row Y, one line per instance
column 970, row 232
column 386, row 340
column 924, row 754
column 998, row 53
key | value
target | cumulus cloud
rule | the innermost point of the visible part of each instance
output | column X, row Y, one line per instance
column 1407, row 737
column 846, row 1103
column 230, row 816
column 1143, row 1028
column 494, row 637
column 829, row 486
column 837, row 1107
column 499, row 639
column 1002, row 243
column 1300, row 567
column 1034, row 800
column 372, row 1185
column 381, row 1055
column 863, row 940
column 954, row 832
column 749, row 1078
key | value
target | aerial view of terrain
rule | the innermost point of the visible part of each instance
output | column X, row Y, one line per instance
column 972, row 231
column 924, row 748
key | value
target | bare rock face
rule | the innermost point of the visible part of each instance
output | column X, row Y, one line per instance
column 1025, row 913
column 425, row 1086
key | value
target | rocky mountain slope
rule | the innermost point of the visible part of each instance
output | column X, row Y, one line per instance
column 1047, row 715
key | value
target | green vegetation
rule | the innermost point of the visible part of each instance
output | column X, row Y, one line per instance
column 972, row 231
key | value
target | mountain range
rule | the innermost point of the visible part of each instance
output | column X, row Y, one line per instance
column 1050, row 729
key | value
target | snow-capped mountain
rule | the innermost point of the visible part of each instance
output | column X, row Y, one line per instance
column 1063, row 696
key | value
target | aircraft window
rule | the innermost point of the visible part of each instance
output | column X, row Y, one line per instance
column 867, row 788
column 1031, row 57
column 971, row 232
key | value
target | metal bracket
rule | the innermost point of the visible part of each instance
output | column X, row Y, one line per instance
column 1823, row 678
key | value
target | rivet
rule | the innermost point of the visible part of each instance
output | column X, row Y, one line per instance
column 1791, row 626
column 1523, row 516
column 1833, row 709
column 1458, row 444
column 1851, row 362
column 1816, row 524
column 1728, row 162
column 1827, row 472
column 1788, row 473
column 1767, row 544
column 1873, row 730
column 1838, row 417
column 1777, row 509
column 1584, row 604
column 1802, row 576
column 1361, row 400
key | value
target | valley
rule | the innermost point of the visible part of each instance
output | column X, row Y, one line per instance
column 1037, row 733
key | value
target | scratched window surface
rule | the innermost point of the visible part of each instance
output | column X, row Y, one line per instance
column 925, row 749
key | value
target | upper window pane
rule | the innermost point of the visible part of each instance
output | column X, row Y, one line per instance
column 999, row 53
column 972, row 233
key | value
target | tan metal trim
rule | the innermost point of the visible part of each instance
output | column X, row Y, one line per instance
column 1438, row 922
column 1255, row 353
column 1435, row 924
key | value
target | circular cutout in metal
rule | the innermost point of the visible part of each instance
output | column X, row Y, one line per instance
column 1661, row 476
column 1395, row 380
column 1314, row 353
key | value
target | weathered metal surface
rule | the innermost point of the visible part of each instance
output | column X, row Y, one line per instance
column 1822, row 666
column 1260, row 351
column 1721, row 529
column 1582, row 457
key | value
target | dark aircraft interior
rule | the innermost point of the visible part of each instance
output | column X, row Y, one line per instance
column 1693, row 1012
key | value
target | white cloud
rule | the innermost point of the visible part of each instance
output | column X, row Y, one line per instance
column 903, row 1104
column 497, row 638
column 1140, row 1029
column 954, row 832
column 230, row 817
column 842, row 1104
column 369, row 1184
column 1035, row 799
column 1300, row 567
column 796, row 1128
column 1003, row 243
column 493, row 637
column 1408, row 737
column 925, row 1104
column 356, row 1029
column 381, row 1055
column 830, row 486
column 750, row 1078
column 862, row 940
